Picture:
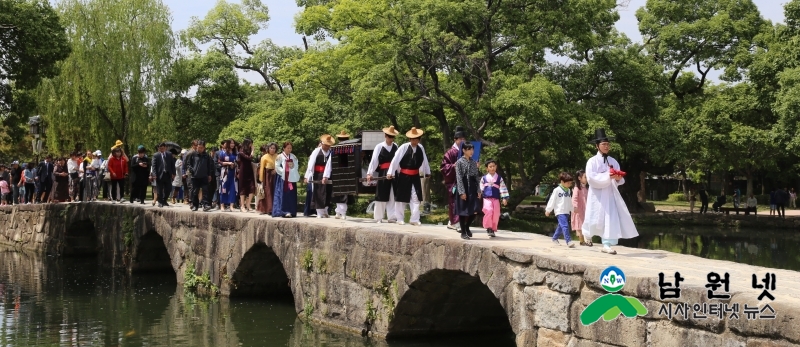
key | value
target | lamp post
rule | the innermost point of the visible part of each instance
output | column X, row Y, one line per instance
column 36, row 127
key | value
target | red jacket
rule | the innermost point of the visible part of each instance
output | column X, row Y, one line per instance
column 118, row 167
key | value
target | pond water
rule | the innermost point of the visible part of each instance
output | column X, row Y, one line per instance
column 47, row 301
column 775, row 249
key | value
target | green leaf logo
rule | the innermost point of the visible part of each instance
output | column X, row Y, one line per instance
column 610, row 306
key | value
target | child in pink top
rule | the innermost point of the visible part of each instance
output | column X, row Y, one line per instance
column 494, row 190
column 4, row 191
column 579, row 195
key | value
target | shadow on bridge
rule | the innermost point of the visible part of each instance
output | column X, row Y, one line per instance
column 448, row 302
column 80, row 239
column 261, row 274
column 151, row 255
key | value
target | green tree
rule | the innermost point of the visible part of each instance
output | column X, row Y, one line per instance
column 121, row 50
column 32, row 41
column 736, row 135
column 699, row 35
column 476, row 63
column 228, row 28
column 202, row 96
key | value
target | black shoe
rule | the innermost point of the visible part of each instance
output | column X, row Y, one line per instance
column 142, row 202
column 464, row 236
column 160, row 205
column 491, row 233
column 193, row 208
column 469, row 233
column 206, row 208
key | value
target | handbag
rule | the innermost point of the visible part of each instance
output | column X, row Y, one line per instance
column 259, row 192
column 107, row 176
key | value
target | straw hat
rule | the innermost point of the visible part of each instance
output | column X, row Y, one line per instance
column 414, row 133
column 117, row 145
column 343, row 135
column 327, row 140
column 391, row 131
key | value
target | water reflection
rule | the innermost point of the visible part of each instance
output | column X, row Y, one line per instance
column 774, row 249
column 46, row 301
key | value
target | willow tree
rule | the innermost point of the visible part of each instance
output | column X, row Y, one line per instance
column 120, row 50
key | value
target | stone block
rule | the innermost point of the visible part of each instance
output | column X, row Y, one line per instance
column 520, row 317
column 551, row 338
column 784, row 326
column 550, row 308
column 587, row 296
column 522, row 256
column 666, row 334
column 558, row 264
column 526, row 338
column 628, row 332
column 762, row 342
column 569, row 284
column 576, row 342
column 529, row 275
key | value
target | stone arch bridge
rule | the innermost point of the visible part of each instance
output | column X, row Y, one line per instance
column 396, row 281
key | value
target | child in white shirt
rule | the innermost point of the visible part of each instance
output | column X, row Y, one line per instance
column 561, row 203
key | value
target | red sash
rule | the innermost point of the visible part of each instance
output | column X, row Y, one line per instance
column 319, row 168
column 409, row 172
column 384, row 166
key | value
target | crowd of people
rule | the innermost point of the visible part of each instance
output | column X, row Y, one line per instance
column 230, row 176
column 779, row 199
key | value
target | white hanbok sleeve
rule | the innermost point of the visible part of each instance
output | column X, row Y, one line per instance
column 426, row 167
column 597, row 177
column 311, row 159
column 614, row 162
column 373, row 164
column 328, row 167
column 395, row 165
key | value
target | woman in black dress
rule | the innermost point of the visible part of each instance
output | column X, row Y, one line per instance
column 247, row 180
column 468, row 201
column 61, row 192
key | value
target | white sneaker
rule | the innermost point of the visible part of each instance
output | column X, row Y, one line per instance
column 378, row 222
column 416, row 224
column 337, row 216
column 451, row 226
column 344, row 217
column 319, row 216
column 571, row 245
column 401, row 223
column 608, row 250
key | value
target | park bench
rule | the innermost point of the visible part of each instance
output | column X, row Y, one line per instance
column 746, row 210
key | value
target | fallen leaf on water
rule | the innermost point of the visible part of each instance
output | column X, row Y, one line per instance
column 130, row 333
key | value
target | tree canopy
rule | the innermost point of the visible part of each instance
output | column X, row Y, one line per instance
column 530, row 80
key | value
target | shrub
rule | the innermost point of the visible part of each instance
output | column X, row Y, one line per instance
column 676, row 197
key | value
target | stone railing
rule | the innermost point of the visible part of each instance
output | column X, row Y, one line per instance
column 389, row 280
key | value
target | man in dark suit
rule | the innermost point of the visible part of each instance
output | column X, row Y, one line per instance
column 44, row 176
column 163, row 172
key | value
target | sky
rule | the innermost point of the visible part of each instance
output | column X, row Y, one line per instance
column 282, row 12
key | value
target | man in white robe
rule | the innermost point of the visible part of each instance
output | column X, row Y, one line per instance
column 606, row 213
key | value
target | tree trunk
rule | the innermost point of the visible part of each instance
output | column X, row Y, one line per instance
column 749, row 184
column 641, row 196
column 438, row 113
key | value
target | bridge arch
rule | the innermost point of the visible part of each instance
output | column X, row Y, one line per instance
column 80, row 239
column 260, row 273
column 151, row 254
column 447, row 302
